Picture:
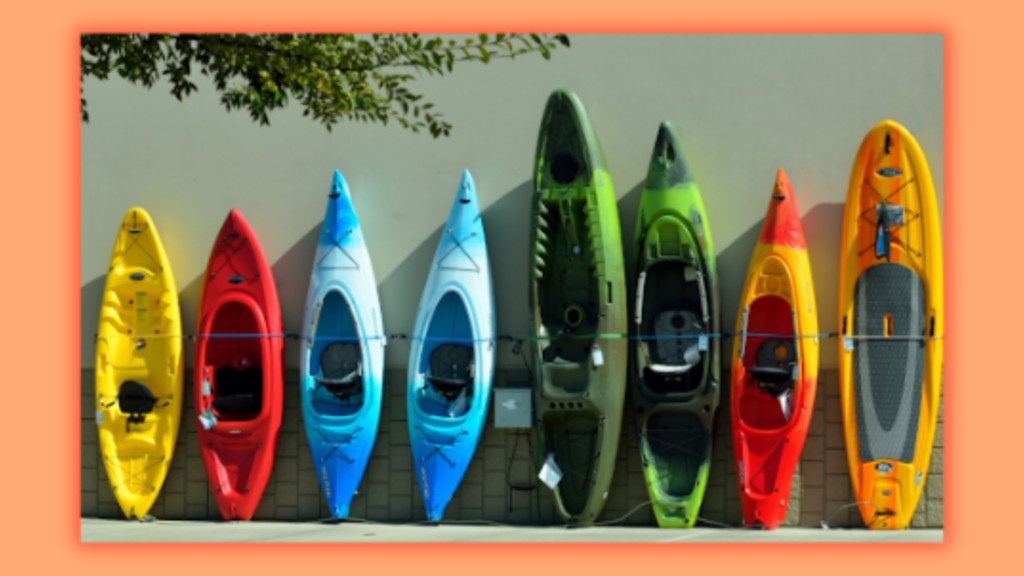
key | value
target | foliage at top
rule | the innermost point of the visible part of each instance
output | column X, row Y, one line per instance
column 334, row 77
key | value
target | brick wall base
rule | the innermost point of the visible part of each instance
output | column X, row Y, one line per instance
column 821, row 485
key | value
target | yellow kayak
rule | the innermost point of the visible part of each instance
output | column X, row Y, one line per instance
column 890, row 318
column 138, row 366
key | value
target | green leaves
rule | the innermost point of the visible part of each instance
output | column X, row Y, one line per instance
column 333, row 77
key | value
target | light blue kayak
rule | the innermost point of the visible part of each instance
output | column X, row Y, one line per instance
column 342, row 358
column 451, row 363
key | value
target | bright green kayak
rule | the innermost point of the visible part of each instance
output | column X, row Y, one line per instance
column 675, row 371
column 577, row 298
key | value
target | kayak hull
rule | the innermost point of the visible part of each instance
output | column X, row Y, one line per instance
column 577, row 308
column 891, row 323
column 774, row 372
column 451, row 362
column 676, row 280
column 139, row 341
column 238, row 370
column 342, row 320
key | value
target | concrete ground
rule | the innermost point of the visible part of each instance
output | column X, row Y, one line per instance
column 95, row 530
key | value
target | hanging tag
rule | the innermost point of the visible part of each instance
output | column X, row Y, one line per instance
column 207, row 419
column 598, row 356
column 550, row 474
column 99, row 417
column 702, row 343
column 796, row 371
column 847, row 343
column 206, row 386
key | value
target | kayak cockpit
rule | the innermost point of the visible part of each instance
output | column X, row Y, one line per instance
column 234, row 365
column 447, row 368
column 672, row 311
column 770, row 357
column 336, row 360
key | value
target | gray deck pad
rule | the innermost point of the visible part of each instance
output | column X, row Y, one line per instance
column 888, row 374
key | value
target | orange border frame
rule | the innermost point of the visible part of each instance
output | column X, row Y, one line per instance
column 39, row 62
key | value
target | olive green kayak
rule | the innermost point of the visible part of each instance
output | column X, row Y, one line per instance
column 577, row 307
column 675, row 371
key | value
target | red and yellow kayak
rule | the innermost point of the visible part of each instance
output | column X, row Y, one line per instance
column 774, row 369
column 890, row 317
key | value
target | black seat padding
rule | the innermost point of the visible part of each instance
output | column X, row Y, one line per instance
column 135, row 399
column 342, row 370
column 237, row 405
column 774, row 375
column 451, row 369
column 239, row 392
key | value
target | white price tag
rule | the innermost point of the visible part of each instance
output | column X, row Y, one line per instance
column 598, row 356
column 207, row 419
column 550, row 474
column 206, row 386
column 99, row 417
column 702, row 343
column 847, row 343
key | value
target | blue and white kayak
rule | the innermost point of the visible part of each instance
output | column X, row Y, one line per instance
column 451, row 363
column 342, row 359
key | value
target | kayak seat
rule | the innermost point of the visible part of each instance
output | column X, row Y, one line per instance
column 239, row 392
column 342, row 370
column 774, row 369
column 135, row 399
column 676, row 331
column 674, row 351
column 451, row 369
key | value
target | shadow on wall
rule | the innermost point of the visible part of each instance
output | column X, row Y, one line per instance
column 507, row 227
column 629, row 208
column 400, row 294
column 92, row 298
column 733, row 261
column 823, row 231
column 291, row 274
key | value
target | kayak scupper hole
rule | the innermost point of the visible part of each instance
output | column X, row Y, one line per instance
column 561, row 404
column 707, row 408
column 552, row 405
column 678, row 321
column 579, row 404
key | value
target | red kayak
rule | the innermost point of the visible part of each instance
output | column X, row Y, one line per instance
column 774, row 363
column 239, row 384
